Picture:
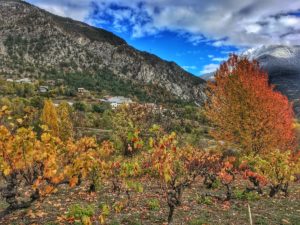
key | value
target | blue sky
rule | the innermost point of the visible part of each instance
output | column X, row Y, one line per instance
column 196, row 34
column 197, row 59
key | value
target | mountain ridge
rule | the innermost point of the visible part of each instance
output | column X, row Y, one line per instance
column 34, row 39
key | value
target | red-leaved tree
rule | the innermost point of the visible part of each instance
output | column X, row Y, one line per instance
column 245, row 110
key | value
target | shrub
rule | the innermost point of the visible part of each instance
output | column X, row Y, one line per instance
column 101, row 108
column 242, row 195
column 153, row 204
column 206, row 200
column 114, row 222
column 82, row 213
column 198, row 221
column 80, row 106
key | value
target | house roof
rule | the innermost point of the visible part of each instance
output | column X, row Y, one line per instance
column 117, row 100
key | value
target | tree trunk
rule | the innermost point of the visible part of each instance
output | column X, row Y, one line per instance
column 92, row 188
column 285, row 190
column 256, row 185
column 228, row 192
column 174, row 199
column 171, row 212
column 209, row 180
column 10, row 193
column 274, row 190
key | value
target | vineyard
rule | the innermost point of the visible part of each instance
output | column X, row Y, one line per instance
column 145, row 172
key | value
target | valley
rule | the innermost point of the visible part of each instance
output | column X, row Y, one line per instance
column 95, row 131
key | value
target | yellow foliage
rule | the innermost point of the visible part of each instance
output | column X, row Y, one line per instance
column 49, row 117
column 65, row 123
column 278, row 167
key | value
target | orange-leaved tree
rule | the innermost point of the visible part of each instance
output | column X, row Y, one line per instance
column 39, row 163
column 27, row 162
column 85, row 159
column 176, row 167
column 245, row 110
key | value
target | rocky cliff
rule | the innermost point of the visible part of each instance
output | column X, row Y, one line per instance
column 34, row 42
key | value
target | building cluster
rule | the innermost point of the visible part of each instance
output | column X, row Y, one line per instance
column 83, row 92
column 43, row 88
column 21, row 81
column 116, row 101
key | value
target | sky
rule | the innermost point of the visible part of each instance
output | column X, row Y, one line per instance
column 196, row 34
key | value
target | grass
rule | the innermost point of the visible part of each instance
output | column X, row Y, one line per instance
column 198, row 221
column 77, row 211
column 250, row 196
column 153, row 204
column 207, row 200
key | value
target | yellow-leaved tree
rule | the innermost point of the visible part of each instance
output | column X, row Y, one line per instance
column 39, row 163
column 49, row 117
column 65, row 122
column 27, row 162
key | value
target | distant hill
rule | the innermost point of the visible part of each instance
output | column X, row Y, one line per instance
column 36, row 43
column 208, row 76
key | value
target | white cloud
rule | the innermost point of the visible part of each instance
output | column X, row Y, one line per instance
column 189, row 67
column 292, row 21
column 212, row 67
column 74, row 9
column 219, row 59
column 244, row 23
column 253, row 28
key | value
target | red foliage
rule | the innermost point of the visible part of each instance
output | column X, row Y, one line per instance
column 246, row 110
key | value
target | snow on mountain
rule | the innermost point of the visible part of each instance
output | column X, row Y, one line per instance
column 281, row 60
column 208, row 76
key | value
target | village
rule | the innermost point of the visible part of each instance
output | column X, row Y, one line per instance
column 90, row 108
column 82, row 93
column 56, row 90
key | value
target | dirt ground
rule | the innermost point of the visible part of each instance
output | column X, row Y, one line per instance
column 194, row 210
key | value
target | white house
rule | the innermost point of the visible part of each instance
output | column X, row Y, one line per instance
column 83, row 91
column 116, row 101
column 24, row 81
column 56, row 104
column 43, row 89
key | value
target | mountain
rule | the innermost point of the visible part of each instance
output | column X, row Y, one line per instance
column 282, row 62
column 278, row 60
column 34, row 42
column 208, row 76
